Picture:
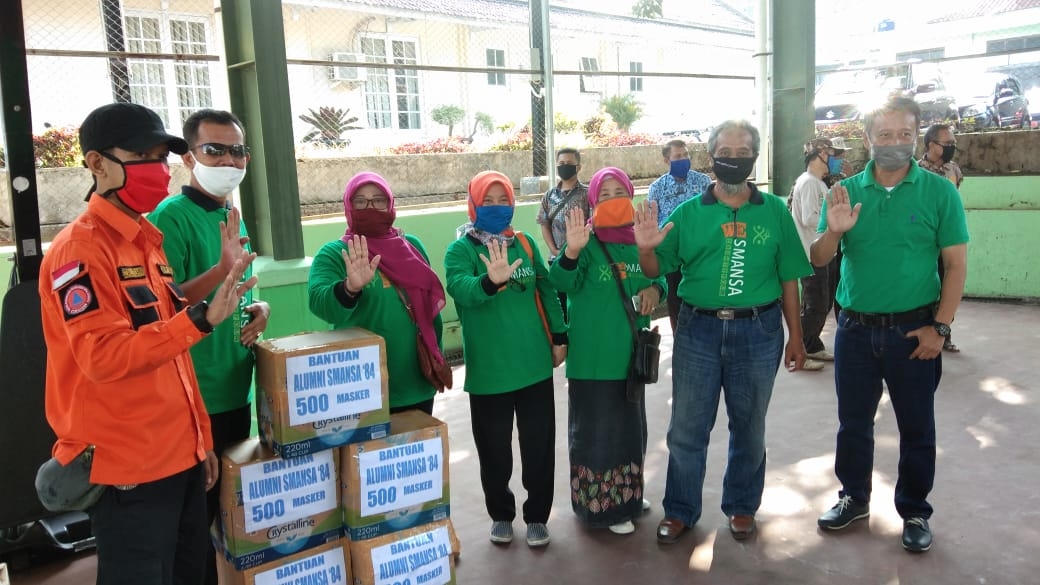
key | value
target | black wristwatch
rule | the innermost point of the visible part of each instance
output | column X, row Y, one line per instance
column 942, row 329
column 197, row 314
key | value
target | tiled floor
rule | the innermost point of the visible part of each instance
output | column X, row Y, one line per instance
column 987, row 505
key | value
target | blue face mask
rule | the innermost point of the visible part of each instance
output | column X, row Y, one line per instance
column 679, row 169
column 833, row 166
column 493, row 218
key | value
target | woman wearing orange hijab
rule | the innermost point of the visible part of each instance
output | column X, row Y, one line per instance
column 496, row 285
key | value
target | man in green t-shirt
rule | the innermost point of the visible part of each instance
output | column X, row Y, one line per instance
column 891, row 221
column 740, row 257
column 190, row 222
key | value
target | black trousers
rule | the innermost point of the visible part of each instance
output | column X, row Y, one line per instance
column 425, row 406
column 673, row 300
column 153, row 534
column 817, row 300
column 492, row 419
column 228, row 428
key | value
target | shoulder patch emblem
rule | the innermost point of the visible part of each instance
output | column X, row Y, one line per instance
column 78, row 297
column 65, row 274
column 131, row 272
column 165, row 269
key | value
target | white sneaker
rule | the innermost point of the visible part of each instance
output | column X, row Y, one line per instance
column 823, row 355
column 646, row 504
column 811, row 365
column 625, row 527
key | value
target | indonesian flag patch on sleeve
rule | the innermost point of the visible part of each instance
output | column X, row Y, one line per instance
column 65, row 274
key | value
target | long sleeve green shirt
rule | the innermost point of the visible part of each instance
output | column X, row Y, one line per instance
column 377, row 309
column 600, row 334
column 505, row 344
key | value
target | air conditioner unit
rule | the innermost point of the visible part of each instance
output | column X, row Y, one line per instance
column 346, row 72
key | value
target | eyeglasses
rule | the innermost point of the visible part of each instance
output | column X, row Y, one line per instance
column 945, row 144
column 515, row 285
column 239, row 151
column 380, row 203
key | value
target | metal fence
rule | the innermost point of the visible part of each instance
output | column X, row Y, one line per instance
column 371, row 77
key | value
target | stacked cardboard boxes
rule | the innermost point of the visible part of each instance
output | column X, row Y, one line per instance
column 321, row 390
column 396, row 503
column 281, row 513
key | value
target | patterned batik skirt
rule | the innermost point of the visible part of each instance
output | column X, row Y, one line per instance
column 606, row 436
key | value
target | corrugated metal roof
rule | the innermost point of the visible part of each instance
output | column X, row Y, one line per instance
column 718, row 17
column 988, row 8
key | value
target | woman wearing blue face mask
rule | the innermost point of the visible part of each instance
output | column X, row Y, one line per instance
column 513, row 336
column 821, row 160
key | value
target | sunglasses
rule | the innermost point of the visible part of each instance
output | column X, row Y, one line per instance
column 216, row 149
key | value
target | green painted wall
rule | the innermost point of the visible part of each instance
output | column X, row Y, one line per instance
column 284, row 284
column 1003, row 219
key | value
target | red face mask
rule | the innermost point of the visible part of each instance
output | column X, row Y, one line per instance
column 145, row 183
column 371, row 222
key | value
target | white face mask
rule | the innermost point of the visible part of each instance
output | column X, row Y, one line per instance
column 218, row 181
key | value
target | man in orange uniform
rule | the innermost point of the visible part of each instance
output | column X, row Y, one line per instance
column 119, row 375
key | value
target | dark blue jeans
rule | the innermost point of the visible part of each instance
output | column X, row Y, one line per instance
column 863, row 357
column 737, row 359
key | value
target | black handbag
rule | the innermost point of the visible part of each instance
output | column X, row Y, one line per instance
column 646, row 350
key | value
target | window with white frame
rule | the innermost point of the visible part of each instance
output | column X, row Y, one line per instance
column 174, row 89
column 392, row 95
column 635, row 83
column 590, row 83
column 496, row 58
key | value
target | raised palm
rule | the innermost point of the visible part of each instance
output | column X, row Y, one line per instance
column 499, row 270
column 577, row 231
column 360, row 269
column 841, row 215
column 648, row 235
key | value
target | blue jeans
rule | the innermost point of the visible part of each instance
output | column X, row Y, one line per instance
column 863, row 357
column 738, row 358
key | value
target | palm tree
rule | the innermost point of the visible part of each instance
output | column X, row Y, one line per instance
column 623, row 109
column 647, row 8
column 329, row 126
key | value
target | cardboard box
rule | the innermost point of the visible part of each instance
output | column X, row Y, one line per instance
column 398, row 481
column 419, row 555
column 272, row 507
column 320, row 390
column 328, row 564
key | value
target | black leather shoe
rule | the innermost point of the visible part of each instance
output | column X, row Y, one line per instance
column 917, row 537
column 845, row 512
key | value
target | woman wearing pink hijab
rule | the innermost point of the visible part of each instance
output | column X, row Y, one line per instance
column 606, row 431
column 353, row 279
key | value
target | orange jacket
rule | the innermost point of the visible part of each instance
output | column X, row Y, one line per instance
column 119, row 375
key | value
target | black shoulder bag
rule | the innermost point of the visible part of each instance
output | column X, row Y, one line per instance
column 646, row 352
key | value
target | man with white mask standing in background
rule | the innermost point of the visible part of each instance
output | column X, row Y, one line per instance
column 190, row 221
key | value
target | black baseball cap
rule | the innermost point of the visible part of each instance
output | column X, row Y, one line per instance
column 128, row 126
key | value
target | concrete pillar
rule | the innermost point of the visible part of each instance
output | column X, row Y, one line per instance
column 794, row 82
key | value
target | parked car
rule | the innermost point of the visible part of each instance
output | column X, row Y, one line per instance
column 992, row 100
column 847, row 95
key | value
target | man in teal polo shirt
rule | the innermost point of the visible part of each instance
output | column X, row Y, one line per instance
column 190, row 222
column 740, row 257
column 891, row 221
